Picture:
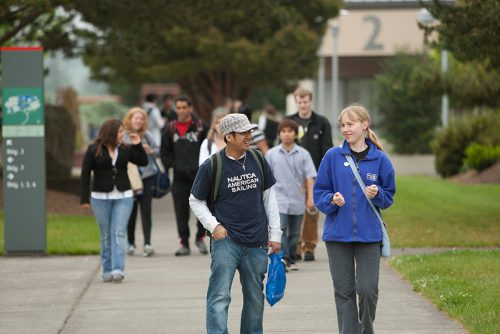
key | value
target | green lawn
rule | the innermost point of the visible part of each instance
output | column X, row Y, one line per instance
column 67, row 235
column 430, row 212
column 465, row 284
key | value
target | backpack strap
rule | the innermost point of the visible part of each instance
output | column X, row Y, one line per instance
column 209, row 145
column 216, row 167
column 257, row 155
column 171, row 128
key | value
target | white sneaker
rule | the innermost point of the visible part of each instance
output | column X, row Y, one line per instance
column 130, row 249
column 293, row 267
column 117, row 278
column 148, row 251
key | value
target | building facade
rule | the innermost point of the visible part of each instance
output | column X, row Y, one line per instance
column 358, row 41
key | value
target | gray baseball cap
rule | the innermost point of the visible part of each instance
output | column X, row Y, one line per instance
column 235, row 123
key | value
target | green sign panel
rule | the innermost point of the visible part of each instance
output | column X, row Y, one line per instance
column 23, row 106
column 23, row 150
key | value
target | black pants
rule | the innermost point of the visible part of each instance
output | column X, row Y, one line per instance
column 180, row 195
column 144, row 201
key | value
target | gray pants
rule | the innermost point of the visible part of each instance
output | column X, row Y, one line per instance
column 355, row 270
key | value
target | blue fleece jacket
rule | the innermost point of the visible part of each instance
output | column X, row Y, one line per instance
column 355, row 220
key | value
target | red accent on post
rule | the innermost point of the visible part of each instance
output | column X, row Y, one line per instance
column 21, row 48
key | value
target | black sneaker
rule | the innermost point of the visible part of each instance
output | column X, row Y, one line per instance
column 308, row 256
column 285, row 265
column 183, row 251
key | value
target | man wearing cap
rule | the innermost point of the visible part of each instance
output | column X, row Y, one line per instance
column 244, row 222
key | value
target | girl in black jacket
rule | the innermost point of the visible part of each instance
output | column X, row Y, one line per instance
column 111, row 197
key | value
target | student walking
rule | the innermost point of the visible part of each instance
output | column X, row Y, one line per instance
column 111, row 198
column 315, row 135
column 180, row 150
column 352, row 232
column 214, row 141
column 244, row 222
column 136, row 121
column 155, row 120
column 258, row 139
column 268, row 123
column 294, row 170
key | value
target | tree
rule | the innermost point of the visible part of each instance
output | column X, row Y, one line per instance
column 214, row 49
column 408, row 94
column 473, row 86
column 468, row 28
column 35, row 22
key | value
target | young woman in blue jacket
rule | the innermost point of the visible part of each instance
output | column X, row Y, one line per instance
column 352, row 232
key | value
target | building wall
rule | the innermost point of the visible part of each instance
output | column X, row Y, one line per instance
column 367, row 36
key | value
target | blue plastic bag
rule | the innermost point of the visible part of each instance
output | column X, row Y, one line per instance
column 276, row 279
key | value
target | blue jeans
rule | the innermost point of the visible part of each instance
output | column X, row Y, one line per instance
column 112, row 217
column 227, row 257
column 290, row 225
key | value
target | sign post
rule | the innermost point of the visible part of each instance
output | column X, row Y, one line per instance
column 23, row 150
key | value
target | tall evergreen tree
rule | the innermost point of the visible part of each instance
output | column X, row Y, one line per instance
column 214, row 49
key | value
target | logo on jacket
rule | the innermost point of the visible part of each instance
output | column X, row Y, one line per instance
column 371, row 177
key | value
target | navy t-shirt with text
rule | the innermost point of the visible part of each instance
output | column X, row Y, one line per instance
column 238, row 207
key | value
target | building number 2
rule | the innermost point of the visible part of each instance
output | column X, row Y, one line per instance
column 372, row 43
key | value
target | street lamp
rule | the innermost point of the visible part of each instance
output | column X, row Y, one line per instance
column 425, row 18
column 335, row 74
column 334, row 26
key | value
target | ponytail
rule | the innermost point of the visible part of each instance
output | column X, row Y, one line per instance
column 373, row 138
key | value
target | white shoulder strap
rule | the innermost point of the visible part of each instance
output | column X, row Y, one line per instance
column 362, row 185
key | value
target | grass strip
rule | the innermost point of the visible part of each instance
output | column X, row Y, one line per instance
column 67, row 235
column 465, row 284
column 431, row 212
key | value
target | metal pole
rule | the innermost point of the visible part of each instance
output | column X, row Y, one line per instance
column 335, row 78
column 444, row 98
column 321, row 86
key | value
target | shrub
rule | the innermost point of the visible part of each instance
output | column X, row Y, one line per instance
column 449, row 146
column 480, row 157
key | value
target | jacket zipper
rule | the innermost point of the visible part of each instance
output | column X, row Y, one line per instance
column 355, row 186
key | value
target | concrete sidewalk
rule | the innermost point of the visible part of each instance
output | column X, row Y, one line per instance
column 166, row 294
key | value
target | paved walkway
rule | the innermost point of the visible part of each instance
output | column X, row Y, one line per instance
column 417, row 164
column 166, row 294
